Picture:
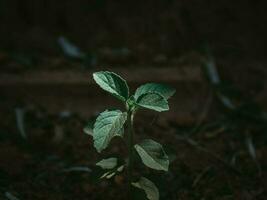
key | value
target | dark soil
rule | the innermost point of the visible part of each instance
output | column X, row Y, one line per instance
column 36, row 168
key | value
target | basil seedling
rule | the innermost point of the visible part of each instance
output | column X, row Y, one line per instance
column 111, row 123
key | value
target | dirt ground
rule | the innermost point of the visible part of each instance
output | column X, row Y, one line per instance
column 211, row 158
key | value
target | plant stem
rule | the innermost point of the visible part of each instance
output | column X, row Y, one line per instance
column 130, row 151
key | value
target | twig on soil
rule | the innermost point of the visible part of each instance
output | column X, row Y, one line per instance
column 20, row 114
column 10, row 196
column 252, row 151
column 203, row 114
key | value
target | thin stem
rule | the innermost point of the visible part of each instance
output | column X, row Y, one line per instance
column 130, row 150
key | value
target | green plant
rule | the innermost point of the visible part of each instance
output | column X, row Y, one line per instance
column 110, row 123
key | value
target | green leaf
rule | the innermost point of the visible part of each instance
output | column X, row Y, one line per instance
column 111, row 173
column 113, row 84
column 120, row 168
column 88, row 129
column 108, row 175
column 151, row 190
column 108, row 163
column 108, row 125
column 164, row 90
column 153, row 155
column 153, row 101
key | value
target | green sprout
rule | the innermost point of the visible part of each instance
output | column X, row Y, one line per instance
column 111, row 123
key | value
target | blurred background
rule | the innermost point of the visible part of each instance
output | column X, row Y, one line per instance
column 212, row 52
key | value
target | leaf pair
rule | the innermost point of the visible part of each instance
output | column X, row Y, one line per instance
column 154, row 96
column 153, row 156
column 151, row 96
column 111, row 165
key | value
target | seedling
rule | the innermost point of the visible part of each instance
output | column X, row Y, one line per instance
column 111, row 123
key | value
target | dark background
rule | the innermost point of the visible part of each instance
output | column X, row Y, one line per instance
column 49, row 95
column 171, row 27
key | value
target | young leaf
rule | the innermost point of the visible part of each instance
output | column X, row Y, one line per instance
column 149, row 187
column 88, row 129
column 153, row 101
column 111, row 173
column 153, row 155
column 164, row 90
column 108, row 125
column 108, row 163
column 113, row 84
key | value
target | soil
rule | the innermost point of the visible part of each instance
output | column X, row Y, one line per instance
column 39, row 167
